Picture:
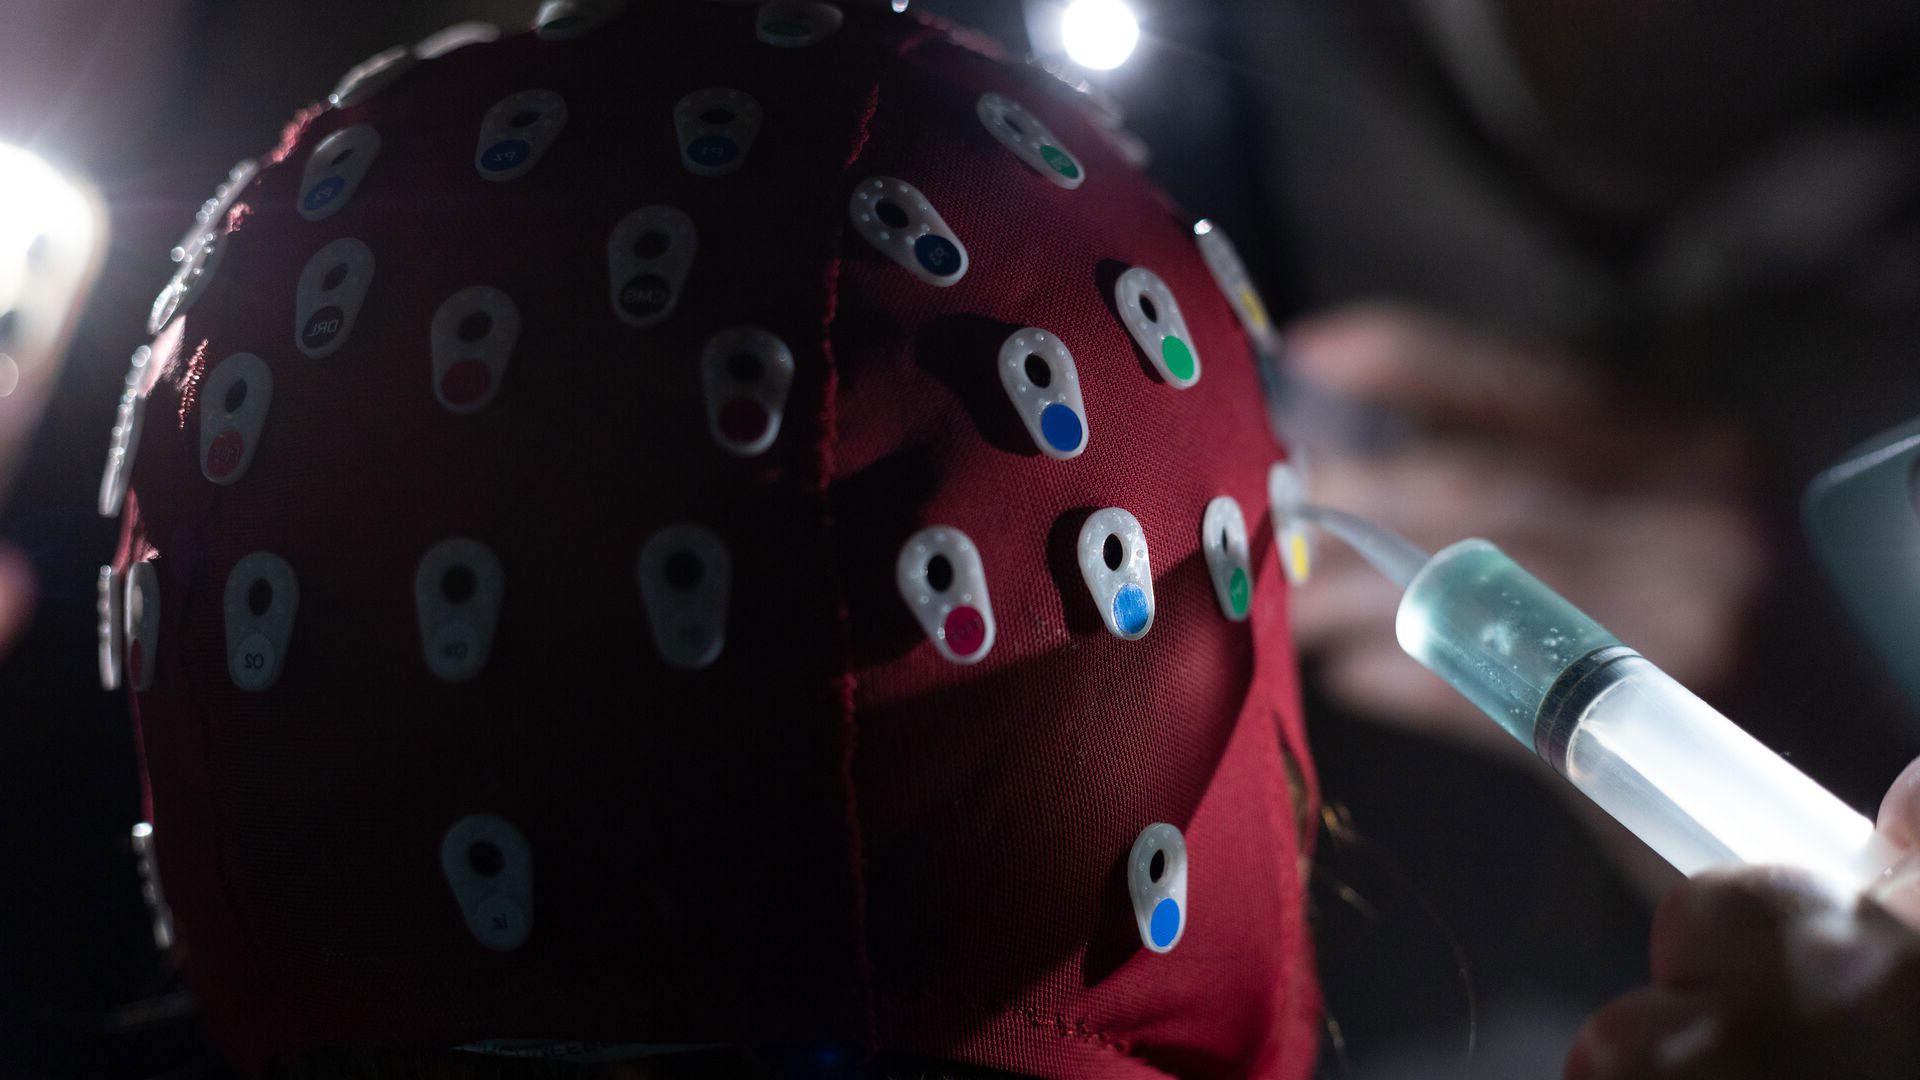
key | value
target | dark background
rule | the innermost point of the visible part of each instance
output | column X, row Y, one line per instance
column 1352, row 151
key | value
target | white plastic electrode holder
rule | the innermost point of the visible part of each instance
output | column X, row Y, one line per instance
column 128, row 423
column 471, row 341
column 370, row 76
column 716, row 129
column 1040, row 378
column 189, row 282
column 517, row 132
column 199, row 251
column 451, row 38
column 649, row 254
column 1292, row 540
column 895, row 218
column 234, row 400
column 944, row 584
column 147, row 867
column 334, row 170
column 211, row 218
column 1113, row 560
column 109, row 626
column 1223, row 539
column 1030, row 140
column 1152, row 316
column 142, row 610
column 489, row 866
column 262, row 597
column 567, row 20
column 686, row 577
column 328, row 297
column 1157, row 881
column 457, row 591
column 1223, row 262
column 794, row 24
column 746, row 373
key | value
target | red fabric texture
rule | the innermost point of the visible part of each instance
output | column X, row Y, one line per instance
column 831, row 836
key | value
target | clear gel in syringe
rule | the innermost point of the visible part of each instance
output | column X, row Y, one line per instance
column 1683, row 778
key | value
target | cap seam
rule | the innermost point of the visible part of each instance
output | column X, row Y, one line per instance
column 848, row 682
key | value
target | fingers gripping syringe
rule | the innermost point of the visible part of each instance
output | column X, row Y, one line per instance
column 1683, row 778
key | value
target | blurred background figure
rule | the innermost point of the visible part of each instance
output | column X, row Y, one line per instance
column 1646, row 273
column 1605, row 284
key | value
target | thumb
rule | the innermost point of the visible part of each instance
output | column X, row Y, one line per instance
column 1899, row 824
column 1899, row 819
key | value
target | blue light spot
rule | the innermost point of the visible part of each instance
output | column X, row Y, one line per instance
column 937, row 254
column 713, row 151
column 1165, row 924
column 1061, row 427
column 505, row 154
column 1130, row 609
column 323, row 192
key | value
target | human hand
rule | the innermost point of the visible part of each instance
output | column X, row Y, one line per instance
column 1640, row 516
column 1758, row 974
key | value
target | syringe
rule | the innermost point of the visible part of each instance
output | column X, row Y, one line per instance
column 1683, row 778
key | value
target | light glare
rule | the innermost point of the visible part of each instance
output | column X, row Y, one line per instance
column 1099, row 34
column 35, row 201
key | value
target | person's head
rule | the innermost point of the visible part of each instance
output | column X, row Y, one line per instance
column 685, row 530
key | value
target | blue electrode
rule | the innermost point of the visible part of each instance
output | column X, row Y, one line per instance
column 1683, row 778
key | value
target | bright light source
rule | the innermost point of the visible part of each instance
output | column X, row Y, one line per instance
column 36, row 202
column 52, row 234
column 1099, row 34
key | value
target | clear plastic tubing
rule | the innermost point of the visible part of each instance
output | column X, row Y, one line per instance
column 1387, row 551
column 1689, row 782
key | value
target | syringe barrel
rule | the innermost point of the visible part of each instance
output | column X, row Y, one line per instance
column 1683, row 778
column 1693, row 785
column 1495, row 632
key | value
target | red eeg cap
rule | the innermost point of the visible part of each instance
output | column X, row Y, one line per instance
column 825, row 833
